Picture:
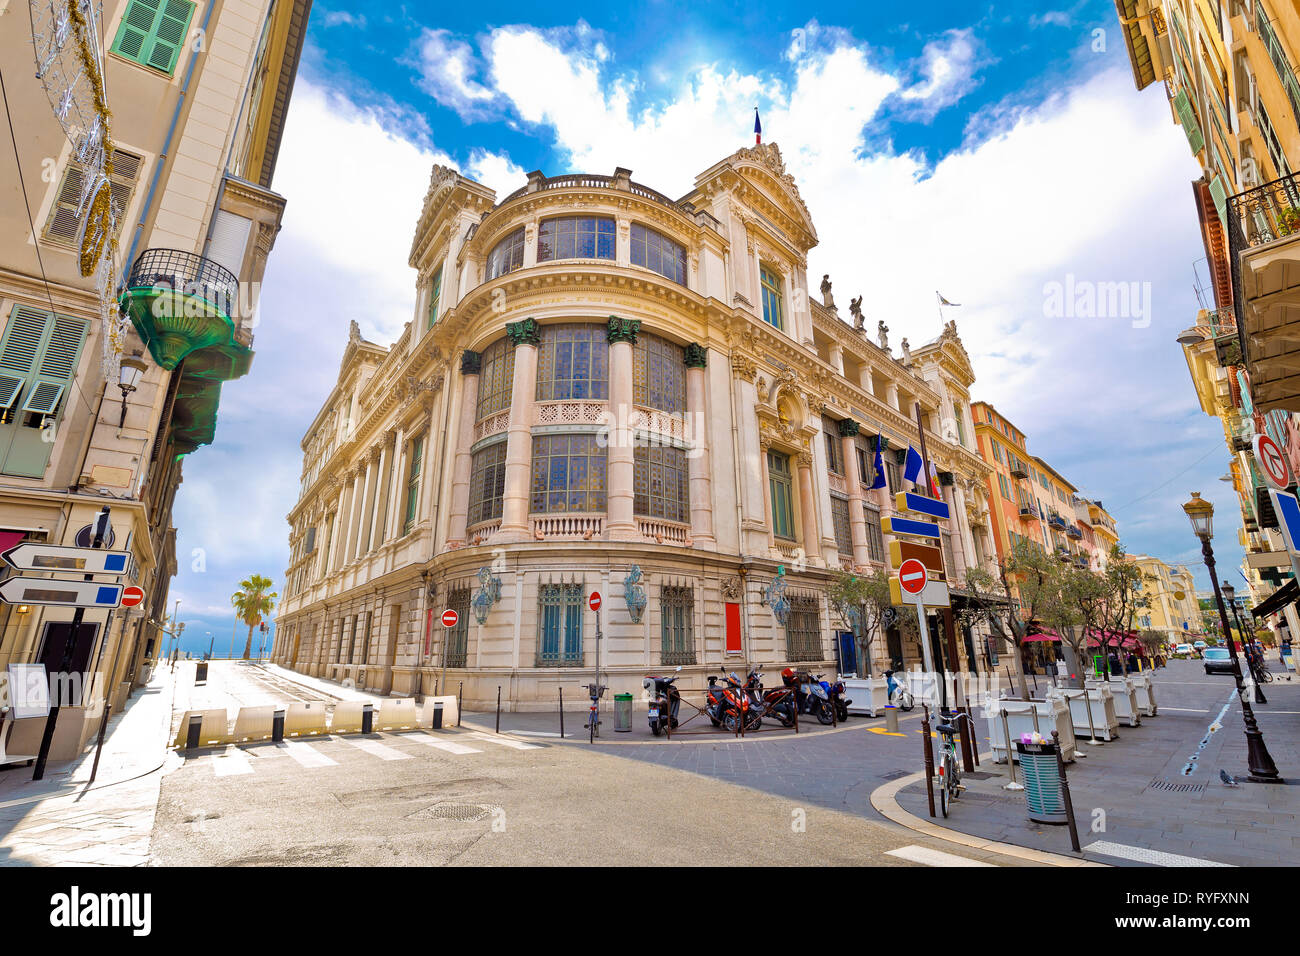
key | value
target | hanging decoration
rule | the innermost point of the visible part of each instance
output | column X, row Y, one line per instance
column 774, row 597
column 70, row 67
column 634, row 594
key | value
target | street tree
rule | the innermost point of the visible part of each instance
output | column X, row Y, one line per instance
column 252, row 602
column 861, row 598
column 1124, row 598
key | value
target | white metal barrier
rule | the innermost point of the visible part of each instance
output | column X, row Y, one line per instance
column 1025, row 717
column 869, row 695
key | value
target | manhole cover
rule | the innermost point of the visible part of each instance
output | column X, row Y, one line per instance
column 1174, row 786
column 978, row 774
column 458, row 812
column 894, row 774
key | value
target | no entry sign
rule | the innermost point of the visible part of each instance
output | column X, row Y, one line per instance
column 912, row 576
column 450, row 618
column 132, row 596
column 1272, row 462
column 594, row 600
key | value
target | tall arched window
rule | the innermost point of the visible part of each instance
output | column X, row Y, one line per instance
column 658, row 374
column 573, row 362
column 782, row 492
column 496, row 378
column 773, row 308
column 658, row 253
column 507, row 255
column 575, row 237
column 487, row 483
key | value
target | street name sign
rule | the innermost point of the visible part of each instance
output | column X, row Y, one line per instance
column 893, row 524
column 1272, row 462
column 53, row 593
column 30, row 556
column 906, row 501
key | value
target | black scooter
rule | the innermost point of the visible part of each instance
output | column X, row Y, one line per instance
column 665, row 701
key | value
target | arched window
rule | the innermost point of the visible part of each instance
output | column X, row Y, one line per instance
column 782, row 492
column 576, row 237
column 773, row 308
column 496, row 378
column 507, row 255
column 658, row 253
column 487, row 483
column 572, row 363
column 658, row 374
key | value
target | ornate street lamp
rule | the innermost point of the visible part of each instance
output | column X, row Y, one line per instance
column 1262, row 769
column 1230, row 595
column 634, row 594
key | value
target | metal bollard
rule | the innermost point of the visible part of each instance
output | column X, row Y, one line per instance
column 367, row 718
column 437, row 715
column 891, row 719
column 193, row 732
column 277, row 727
column 1011, row 760
column 561, row 713
column 498, row 708
column 460, row 696
column 1065, row 792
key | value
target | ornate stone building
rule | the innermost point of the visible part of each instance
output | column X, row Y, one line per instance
column 604, row 389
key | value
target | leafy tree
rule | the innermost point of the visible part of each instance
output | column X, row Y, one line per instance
column 1124, row 598
column 252, row 602
column 863, row 603
column 1083, row 593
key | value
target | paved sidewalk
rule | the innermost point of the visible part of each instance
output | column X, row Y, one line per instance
column 59, row 822
column 1133, row 803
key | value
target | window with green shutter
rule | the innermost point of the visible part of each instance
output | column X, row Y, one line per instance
column 435, row 293
column 413, row 484
column 153, row 31
column 38, row 361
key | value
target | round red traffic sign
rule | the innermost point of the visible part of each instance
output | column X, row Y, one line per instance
column 912, row 576
column 449, row 618
column 1272, row 462
column 594, row 600
column 131, row 596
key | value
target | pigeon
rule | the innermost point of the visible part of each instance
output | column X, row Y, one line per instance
column 1227, row 780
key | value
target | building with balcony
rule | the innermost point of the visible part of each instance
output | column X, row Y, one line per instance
column 605, row 389
column 1172, row 608
column 198, row 93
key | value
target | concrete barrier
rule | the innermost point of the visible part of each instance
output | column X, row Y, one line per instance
column 347, row 717
column 215, row 729
column 396, row 713
column 305, row 718
column 450, row 712
column 254, row 723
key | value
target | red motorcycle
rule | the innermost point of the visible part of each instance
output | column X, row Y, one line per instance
column 727, row 704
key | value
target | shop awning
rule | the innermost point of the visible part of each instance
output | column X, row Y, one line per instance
column 1277, row 600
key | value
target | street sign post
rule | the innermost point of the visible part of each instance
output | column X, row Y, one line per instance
column 594, row 600
column 893, row 524
column 1272, row 462
column 931, row 557
column 30, row 556
column 450, row 618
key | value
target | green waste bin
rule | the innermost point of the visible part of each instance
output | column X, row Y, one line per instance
column 623, row 713
column 1042, row 777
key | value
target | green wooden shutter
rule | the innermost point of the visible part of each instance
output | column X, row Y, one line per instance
column 38, row 358
column 435, row 293
column 153, row 31
column 1187, row 117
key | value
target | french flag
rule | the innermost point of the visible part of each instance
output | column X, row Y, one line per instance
column 758, row 128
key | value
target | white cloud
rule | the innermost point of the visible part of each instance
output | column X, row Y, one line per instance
column 495, row 171
column 948, row 68
column 447, row 67
column 337, row 18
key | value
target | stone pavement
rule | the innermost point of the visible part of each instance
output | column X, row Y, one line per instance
column 59, row 821
column 1134, row 805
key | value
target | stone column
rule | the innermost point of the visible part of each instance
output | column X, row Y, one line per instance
column 525, row 336
column 395, row 483
column 866, row 380
column 347, row 520
column 891, row 396
column 619, row 462
column 808, row 507
column 837, row 357
column 370, row 484
column 857, row 520
column 357, row 546
column 697, row 410
column 962, row 520
column 470, row 364
column 380, row 499
column 331, row 560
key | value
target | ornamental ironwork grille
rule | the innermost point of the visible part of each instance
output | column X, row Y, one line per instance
column 658, row 253
column 677, row 612
column 568, row 474
column 506, row 256
column 458, row 637
column 658, row 374
column 803, row 631
column 487, row 483
column 559, row 625
column 778, row 476
column 575, row 237
column 573, row 363
column 661, row 483
column 840, row 521
column 495, row 379
column 875, row 542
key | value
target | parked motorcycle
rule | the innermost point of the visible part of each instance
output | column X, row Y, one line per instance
column 778, row 702
column 665, row 701
column 898, row 692
column 835, row 691
column 812, row 694
column 727, row 704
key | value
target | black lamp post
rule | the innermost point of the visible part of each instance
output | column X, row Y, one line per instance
column 1262, row 768
column 1230, row 593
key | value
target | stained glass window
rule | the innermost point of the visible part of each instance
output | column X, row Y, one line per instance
column 487, row 483
column 573, row 362
column 840, row 520
column 496, row 378
column 782, row 491
column 568, row 474
column 506, row 256
column 575, row 238
column 658, row 253
column 772, row 307
column 661, row 483
column 658, row 374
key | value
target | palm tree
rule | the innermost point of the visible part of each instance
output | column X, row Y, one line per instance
column 252, row 601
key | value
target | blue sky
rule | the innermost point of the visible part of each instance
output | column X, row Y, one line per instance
column 991, row 151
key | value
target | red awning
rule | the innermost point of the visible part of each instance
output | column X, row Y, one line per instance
column 10, row 538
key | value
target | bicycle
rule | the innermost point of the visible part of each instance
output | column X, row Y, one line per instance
column 597, row 691
column 950, row 785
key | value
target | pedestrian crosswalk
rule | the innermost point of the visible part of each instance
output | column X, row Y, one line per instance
column 928, row 857
column 333, row 750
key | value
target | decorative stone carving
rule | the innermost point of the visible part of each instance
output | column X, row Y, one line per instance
column 855, row 310
column 743, row 368
column 697, row 356
column 354, row 332
column 525, row 332
column 828, row 300
column 763, row 389
column 731, row 589
column 848, row 428
column 907, row 353
column 470, row 362
column 805, row 459
column 882, row 335
column 622, row 330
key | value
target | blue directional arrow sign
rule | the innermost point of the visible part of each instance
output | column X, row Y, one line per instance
column 906, row 501
column 893, row 524
column 55, row 593
column 1288, row 513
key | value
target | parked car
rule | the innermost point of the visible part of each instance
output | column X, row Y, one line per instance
column 1184, row 651
column 1199, row 645
column 1218, row 661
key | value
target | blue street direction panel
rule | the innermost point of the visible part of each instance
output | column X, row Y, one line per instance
column 906, row 501
column 52, row 557
column 54, row 593
column 1288, row 515
column 893, row 524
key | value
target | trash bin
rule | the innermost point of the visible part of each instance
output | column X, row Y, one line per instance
column 1042, row 778
column 623, row 713
column 201, row 672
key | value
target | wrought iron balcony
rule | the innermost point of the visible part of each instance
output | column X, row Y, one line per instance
column 180, row 303
column 1074, row 531
column 1028, row 510
column 1267, row 212
column 1019, row 471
